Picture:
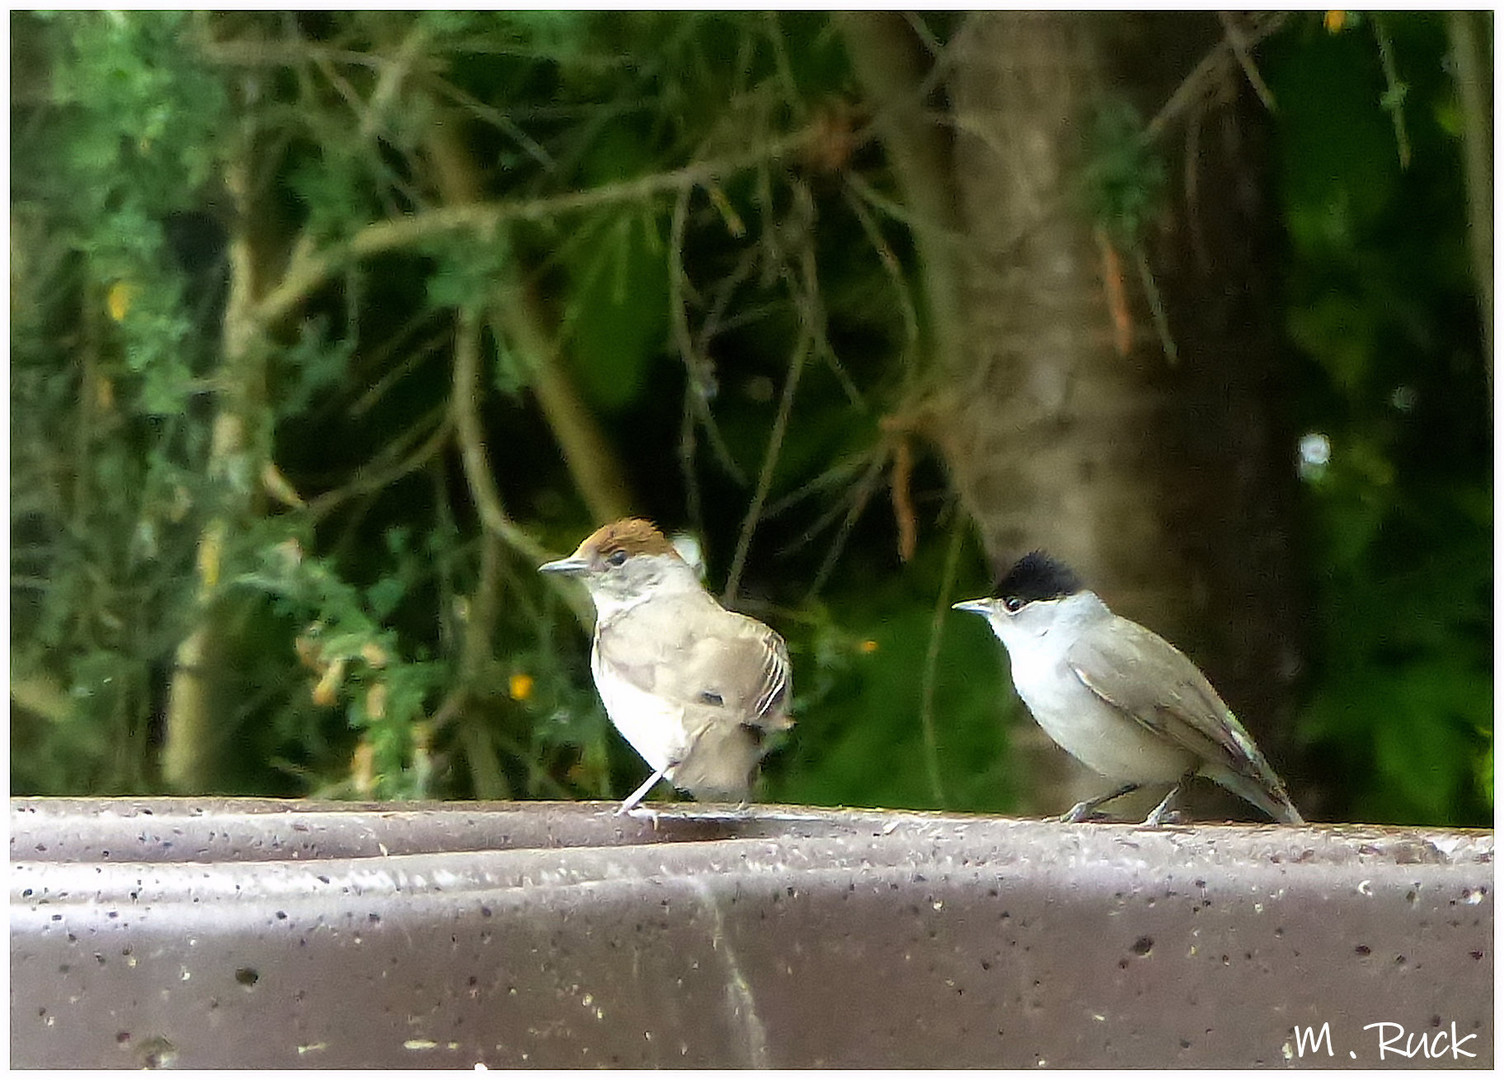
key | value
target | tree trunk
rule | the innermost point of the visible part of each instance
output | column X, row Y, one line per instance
column 200, row 701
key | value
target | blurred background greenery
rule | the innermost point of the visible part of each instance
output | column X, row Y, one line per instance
column 327, row 328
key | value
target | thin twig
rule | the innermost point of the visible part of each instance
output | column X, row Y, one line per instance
column 701, row 379
column 499, row 120
column 465, row 406
column 1157, row 308
column 1245, row 59
column 1473, row 81
column 1211, row 67
column 769, row 461
column 715, row 321
column 476, row 654
column 252, row 52
column 901, row 484
column 687, row 446
column 1394, row 92
column 808, row 299
column 310, row 267
column 371, row 477
column 389, row 79
column 890, row 263
column 1192, row 193
column 932, row 658
column 852, row 500
column 832, row 476
column 930, row 42
column 861, row 494
column 421, row 352
column 792, row 98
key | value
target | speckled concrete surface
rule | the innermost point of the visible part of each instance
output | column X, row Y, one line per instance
column 256, row 933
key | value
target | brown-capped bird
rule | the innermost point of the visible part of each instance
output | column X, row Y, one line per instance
column 695, row 689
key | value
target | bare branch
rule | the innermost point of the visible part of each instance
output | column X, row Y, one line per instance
column 465, row 406
column 591, row 461
column 891, row 266
column 373, row 477
column 1239, row 46
column 931, row 661
column 861, row 494
column 1473, row 82
column 253, row 52
column 1394, row 92
column 497, row 119
column 697, row 366
column 1204, row 75
column 390, row 79
column 310, row 266
column 361, row 405
column 769, row 461
column 1157, row 308
column 464, row 403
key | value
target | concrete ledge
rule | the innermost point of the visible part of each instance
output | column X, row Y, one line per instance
column 255, row 933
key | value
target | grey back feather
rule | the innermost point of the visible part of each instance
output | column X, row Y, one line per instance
column 1157, row 685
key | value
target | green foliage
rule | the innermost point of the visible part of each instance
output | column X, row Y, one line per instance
column 466, row 273
column 1122, row 176
column 859, row 740
column 142, row 115
column 349, row 645
column 119, row 130
column 617, row 319
column 376, row 642
column 334, row 186
column 1379, row 305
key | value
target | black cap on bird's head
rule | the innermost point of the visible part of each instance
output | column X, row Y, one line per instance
column 1036, row 577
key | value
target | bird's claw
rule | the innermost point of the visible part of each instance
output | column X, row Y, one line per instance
column 1076, row 814
column 636, row 811
column 1169, row 817
column 1084, row 812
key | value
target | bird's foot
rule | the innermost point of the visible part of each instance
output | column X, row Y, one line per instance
column 1169, row 817
column 641, row 813
column 1162, row 814
column 1085, row 810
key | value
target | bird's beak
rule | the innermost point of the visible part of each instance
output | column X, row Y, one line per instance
column 981, row 607
column 573, row 564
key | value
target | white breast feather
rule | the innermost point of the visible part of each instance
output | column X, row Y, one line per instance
column 1093, row 732
column 653, row 726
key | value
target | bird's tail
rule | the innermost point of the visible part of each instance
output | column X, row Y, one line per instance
column 1268, row 795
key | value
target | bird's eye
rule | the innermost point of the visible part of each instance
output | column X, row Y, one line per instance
column 616, row 558
column 1012, row 603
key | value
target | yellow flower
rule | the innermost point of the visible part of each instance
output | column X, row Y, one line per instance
column 376, row 701
column 363, row 769
column 327, row 689
column 521, row 687
column 119, row 299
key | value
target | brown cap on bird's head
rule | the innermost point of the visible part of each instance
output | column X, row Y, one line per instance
column 628, row 537
column 635, row 536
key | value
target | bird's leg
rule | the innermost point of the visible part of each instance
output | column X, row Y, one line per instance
column 1162, row 813
column 647, row 786
column 1082, row 809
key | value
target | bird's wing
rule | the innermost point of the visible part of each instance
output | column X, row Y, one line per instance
column 692, row 651
column 1156, row 684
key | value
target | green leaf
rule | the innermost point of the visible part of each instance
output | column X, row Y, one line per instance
column 617, row 312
